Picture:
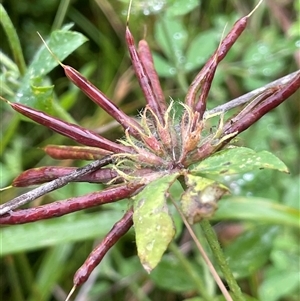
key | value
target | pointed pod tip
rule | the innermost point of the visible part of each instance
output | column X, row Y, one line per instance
column 4, row 99
column 5, row 188
column 71, row 292
column 255, row 8
column 51, row 52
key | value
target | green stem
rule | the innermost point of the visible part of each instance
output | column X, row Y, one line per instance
column 219, row 256
column 191, row 271
column 60, row 15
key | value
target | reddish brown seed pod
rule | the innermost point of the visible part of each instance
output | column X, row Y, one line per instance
column 143, row 77
column 271, row 102
column 118, row 230
column 206, row 74
column 60, row 208
column 73, row 131
column 148, row 64
column 40, row 175
column 99, row 98
column 62, row 152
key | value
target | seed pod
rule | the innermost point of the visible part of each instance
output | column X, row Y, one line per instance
column 62, row 152
column 45, row 174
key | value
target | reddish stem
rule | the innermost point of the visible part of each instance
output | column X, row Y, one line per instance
column 60, row 208
column 119, row 229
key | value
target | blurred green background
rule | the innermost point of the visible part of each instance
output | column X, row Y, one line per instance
column 40, row 259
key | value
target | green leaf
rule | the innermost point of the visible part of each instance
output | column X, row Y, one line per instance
column 238, row 160
column 257, row 209
column 172, row 38
column 279, row 284
column 62, row 43
column 250, row 251
column 200, row 198
column 182, row 7
column 153, row 225
column 163, row 276
column 69, row 228
column 163, row 67
column 202, row 46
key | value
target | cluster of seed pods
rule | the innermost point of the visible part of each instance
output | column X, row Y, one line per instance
column 155, row 144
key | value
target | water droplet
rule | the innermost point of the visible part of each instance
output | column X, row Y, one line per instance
column 248, row 176
column 240, row 182
column 256, row 57
column 267, row 71
column 172, row 71
column 263, row 49
column 188, row 66
column 297, row 44
column 271, row 127
column 177, row 35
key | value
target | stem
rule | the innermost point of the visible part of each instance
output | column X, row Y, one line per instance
column 248, row 96
column 219, row 256
column 190, row 270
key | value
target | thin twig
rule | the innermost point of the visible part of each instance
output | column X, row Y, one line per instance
column 203, row 254
column 53, row 185
column 248, row 96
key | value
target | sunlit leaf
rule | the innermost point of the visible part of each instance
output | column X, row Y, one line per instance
column 172, row 38
column 238, row 160
column 62, row 43
column 153, row 225
column 202, row 46
column 182, row 7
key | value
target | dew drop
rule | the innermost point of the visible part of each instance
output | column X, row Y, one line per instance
column 256, row 57
column 172, row 71
column 297, row 43
column 177, row 35
column 248, row 176
column 267, row 71
column 263, row 49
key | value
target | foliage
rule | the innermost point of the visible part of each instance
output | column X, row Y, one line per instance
column 263, row 206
